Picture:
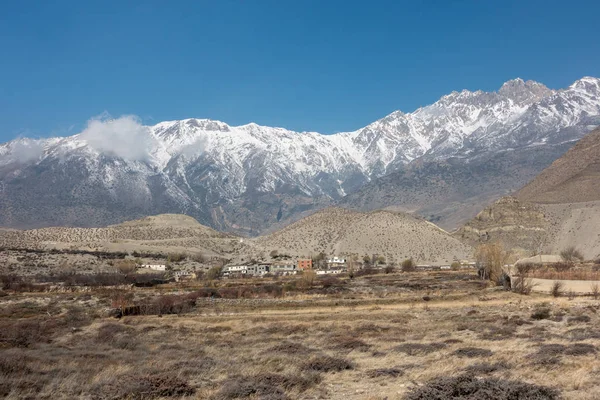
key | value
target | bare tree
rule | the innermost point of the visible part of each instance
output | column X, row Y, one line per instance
column 571, row 254
column 490, row 258
column 408, row 265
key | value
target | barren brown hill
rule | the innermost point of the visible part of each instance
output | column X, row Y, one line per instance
column 573, row 178
column 337, row 231
column 161, row 233
column 520, row 226
column 559, row 208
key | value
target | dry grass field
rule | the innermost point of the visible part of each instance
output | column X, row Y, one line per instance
column 397, row 336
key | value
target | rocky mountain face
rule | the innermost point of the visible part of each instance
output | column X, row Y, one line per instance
column 248, row 178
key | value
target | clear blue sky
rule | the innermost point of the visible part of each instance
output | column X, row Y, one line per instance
column 323, row 65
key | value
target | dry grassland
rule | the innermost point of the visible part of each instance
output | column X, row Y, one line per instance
column 376, row 337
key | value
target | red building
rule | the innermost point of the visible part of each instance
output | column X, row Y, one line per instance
column 304, row 264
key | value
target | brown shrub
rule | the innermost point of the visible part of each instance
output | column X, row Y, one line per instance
column 195, row 366
column 498, row 333
column 350, row 343
column 580, row 349
column 578, row 334
column 541, row 313
column 579, row 319
column 107, row 332
column 265, row 386
column 25, row 333
column 466, row 387
column 387, row 372
column 473, row 352
column 557, row 289
column 487, row 368
column 325, row 363
column 413, row 349
column 139, row 387
column 452, row 341
column 290, row 348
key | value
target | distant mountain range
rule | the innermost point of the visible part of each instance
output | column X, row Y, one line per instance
column 442, row 161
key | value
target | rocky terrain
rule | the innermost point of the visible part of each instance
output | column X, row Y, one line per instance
column 335, row 231
column 396, row 236
column 248, row 178
column 559, row 208
column 167, row 233
column 451, row 192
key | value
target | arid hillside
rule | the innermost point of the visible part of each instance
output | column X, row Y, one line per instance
column 573, row 178
column 340, row 231
column 520, row 226
column 559, row 208
column 161, row 233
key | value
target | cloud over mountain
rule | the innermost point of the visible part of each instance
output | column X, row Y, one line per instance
column 123, row 137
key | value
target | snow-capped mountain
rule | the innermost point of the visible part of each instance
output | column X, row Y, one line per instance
column 248, row 177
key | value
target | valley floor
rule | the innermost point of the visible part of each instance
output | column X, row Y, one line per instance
column 375, row 337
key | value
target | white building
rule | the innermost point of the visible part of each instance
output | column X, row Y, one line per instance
column 336, row 262
column 329, row 272
column 155, row 267
column 229, row 270
column 284, row 269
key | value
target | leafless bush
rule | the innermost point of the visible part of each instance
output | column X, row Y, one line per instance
column 108, row 332
column 579, row 319
column 390, row 268
column 580, row 349
column 147, row 386
column 325, row 363
column 265, row 386
column 541, row 313
column 331, row 281
column 563, row 266
column 486, row 368
column 595, row 290
column 578, row 334
column 177, row 257
column 387, row 372
column 549, row 354
column 413, row 349
column 350, row 343
column 473, row 352
column 470, row 387
column 557, row 289
column 571, row 254
column 291, row 348
column 522, row 285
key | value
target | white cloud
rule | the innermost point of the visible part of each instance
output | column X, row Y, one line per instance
column 26, row 150
column 124, row 137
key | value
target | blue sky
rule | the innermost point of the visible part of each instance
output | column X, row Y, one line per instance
column 323, row 65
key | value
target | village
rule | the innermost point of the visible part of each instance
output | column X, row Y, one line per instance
column 285, row 266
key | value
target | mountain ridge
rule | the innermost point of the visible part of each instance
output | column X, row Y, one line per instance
column 248, row 177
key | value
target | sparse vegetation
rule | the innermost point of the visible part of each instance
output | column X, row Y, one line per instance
column 490, row 259
column 408, row 265
column 571, row 255
column 274, row 338
column 469, row 387
column 557, row 289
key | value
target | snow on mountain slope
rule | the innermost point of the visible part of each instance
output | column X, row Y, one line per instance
column 249, row 176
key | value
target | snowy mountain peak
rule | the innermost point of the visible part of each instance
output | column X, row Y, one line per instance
column 587, row 84
column 524, row 92
column 204, row 166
